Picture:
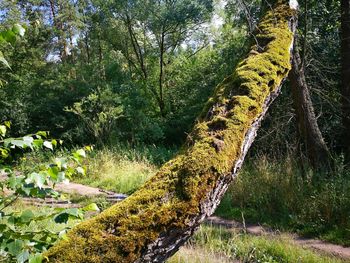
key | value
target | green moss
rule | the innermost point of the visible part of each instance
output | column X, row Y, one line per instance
column 173, row 196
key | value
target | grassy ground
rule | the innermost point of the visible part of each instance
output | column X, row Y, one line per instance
column 212, row 244
column 121, row 168
column 282, row 195
column 193, row 254
column 114, row 171
column 124, row 169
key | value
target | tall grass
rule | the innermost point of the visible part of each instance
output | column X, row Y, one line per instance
column 123, row 168
column 119, row 171
column 228, row 246
column 282, row 194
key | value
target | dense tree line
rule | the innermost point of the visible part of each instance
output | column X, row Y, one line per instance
column 102, row 70
column 140, row 72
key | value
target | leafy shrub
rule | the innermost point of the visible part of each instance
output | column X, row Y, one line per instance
column 20, row 238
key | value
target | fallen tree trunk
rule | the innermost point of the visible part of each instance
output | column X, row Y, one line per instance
column 154, row 222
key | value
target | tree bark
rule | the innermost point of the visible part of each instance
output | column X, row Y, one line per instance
column 316, row 148
column 345, row 72
column 162, row 215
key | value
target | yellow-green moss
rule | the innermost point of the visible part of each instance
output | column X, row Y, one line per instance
column 173, row 196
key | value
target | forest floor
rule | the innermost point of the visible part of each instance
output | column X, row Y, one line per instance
column 258, row 230
column 83, row 191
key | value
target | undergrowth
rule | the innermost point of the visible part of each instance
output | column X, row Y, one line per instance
column 282, row 195
column 119, row 171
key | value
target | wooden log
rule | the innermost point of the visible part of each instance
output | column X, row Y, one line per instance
column 151, row 224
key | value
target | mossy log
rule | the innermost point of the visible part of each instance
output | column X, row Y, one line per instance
column 155, row 221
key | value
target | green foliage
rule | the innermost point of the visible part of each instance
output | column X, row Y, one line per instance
column 10, row 36
column 25, row 234
column 18, row 240
column 98, row 113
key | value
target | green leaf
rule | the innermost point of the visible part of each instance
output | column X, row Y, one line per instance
column 23, row 256
column 61, row 163
column 67, row 213
column 37, row 179
column 91, row 207
column 53, row 172
column 3, row 130
column 37, row 258
column 16, row 143
column 81, row 153
column 27, row 216
column 89, row 148
column 48, row 145
column 15, row 247
column 3, row 60
column 54, row 143
column 13, row 182
column 9, row 36
column 38, row 143
column 62, row 178
column 4, row 153
column 7, row 124
column 42, row 133
column 28, row 141
column 18, row 29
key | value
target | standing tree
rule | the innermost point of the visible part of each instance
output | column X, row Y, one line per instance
column 155, row 221
column 316, row 148
column 154, row 31
column 345, row 61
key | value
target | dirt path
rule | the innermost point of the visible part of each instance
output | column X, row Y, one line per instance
column 73, row 189
column 79, row 189
column 315, row 244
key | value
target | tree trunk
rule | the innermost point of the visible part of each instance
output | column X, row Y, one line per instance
column 161, row 75
column 58, row 24
column 162, row 215
column 345, row 86
column 316, row 148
